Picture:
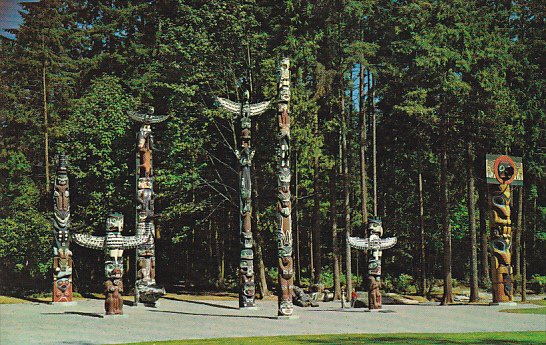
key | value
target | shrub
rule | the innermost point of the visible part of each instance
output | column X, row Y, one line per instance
column 538, row 283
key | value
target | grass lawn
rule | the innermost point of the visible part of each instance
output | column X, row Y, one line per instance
column 540, row 311
column 406, row 338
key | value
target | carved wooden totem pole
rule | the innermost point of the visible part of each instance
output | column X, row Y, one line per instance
column 245, row 111
column 284, row 230
column 113, row 245
column 62, row 256
column 146, row 290
column 501, row 172
column 375, row 245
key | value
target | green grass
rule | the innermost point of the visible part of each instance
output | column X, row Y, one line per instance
column 540, row 311
column 533, row 338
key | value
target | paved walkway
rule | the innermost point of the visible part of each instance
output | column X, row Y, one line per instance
column 39, row 323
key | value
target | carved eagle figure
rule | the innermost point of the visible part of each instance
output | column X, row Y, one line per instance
column 375, row 243
column 112, row 240
column 236, row 108
column 147, row 118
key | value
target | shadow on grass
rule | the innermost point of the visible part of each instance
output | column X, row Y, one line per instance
column 418, row 339
column 215, row 315
column 202, row 303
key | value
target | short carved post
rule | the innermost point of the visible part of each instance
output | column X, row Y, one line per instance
column 502, row 172
column 374, row 245
column 113, row 245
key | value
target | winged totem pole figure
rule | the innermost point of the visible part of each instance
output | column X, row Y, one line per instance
column 245, row 111
column 502, row 172
column 62, row 256
column 284, row 230
column 374, row 245
column 146, row 289
column 113, row 245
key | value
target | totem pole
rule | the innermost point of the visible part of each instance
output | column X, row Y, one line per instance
column 501, row 172
column 374, row 245
column 245, row 111
column 284, row 230
column 62, row 260
column 146, row 290
column 113, row 245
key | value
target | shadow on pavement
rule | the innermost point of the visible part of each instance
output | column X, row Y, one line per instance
column 75, row 313
column 217, row 315
column 202, row 303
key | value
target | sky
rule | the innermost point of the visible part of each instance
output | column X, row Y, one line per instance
column 9, row 15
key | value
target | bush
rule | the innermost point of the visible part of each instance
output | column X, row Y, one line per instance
column 403, row 283
column 537, row 283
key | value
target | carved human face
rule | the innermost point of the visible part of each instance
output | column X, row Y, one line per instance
column 114, row 222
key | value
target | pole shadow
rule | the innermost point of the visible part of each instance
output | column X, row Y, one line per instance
column 216, row 315
column 75, row 313
column 203, row 303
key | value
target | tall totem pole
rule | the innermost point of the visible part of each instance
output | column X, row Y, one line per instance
column 245, row 111
column 374, row 245
column 501, row 172
column 146, row 290
column 62, row 260
column 284, row 230
column 113, row 244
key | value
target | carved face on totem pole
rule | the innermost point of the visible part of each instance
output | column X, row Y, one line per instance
column 114, row 246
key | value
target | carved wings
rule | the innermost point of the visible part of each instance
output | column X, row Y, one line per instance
column 89, row 241
column 235, row 108
column 259, row 108
column 130, row 242
column 147, row 118
column 229, row 105
column 364, row 244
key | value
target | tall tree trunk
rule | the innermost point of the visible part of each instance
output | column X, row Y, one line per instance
column 363, row 185
column 311, row 259
column 523, row 262
column 374, row 148
column 335, row 243
column 316, row 212
column 422, row 261
column 484, row 261
column 297, row 221
column 46, row 127
column 444, row 204
column 347, row 192
column 517, row 236
column 474, row 292
column 219, row 249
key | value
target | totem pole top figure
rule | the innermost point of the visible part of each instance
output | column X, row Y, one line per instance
column 114, row 242
column 148, row 118
column 374, row 242
column 245, row 110
column 502, row 169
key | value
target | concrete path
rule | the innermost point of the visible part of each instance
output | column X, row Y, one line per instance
column 39, row 323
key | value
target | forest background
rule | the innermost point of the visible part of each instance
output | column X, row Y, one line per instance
column 394, row 106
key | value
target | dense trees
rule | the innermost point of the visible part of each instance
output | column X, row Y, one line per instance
column 394, row 106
